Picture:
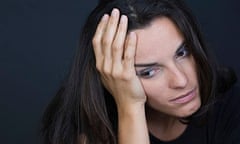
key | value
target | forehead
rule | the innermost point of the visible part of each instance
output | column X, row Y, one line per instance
column 157, row 41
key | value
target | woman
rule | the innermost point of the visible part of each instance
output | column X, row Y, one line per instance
column 143, row 75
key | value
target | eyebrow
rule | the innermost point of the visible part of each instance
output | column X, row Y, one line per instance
column 146, row 65
column 157, row 64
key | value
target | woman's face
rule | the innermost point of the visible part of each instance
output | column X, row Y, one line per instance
column 167, row 69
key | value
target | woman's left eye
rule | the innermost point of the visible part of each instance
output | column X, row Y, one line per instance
column 182, row 52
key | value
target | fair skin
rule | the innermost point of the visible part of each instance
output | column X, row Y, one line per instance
column 171, row 75
column 166, row 78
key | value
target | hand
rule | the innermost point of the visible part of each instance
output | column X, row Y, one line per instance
column 115, row 54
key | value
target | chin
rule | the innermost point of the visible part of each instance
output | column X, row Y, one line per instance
column 189, row 109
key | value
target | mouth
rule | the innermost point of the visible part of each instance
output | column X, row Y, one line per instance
column 185, row 97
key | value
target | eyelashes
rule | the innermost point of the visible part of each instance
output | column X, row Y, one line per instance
column 182, row 52
column 148, row 72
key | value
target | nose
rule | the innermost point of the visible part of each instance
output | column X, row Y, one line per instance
column 177, row 78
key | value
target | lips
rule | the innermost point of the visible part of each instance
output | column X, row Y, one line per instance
column 184, row 98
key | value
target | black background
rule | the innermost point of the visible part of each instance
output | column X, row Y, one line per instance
column 38, row 39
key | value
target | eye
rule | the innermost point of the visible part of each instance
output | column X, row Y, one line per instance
column 182, row 52
column 148, row 72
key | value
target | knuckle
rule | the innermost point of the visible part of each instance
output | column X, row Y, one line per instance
column 95, row 41
column 111, row 22
column 128, row 57
column 116, row 73
column 106, row 70
column 105, row 41
column 116, row 46
column 123, row 75
column 127, row 76
column 99, row 64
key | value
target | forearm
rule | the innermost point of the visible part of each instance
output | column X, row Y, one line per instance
column 132, row 125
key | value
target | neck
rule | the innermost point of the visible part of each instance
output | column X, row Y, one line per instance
column 164, row 127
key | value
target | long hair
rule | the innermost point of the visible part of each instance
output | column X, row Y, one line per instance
column 83, row 111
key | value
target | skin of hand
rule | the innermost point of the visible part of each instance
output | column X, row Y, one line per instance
column 115, row 54
column 115, row 57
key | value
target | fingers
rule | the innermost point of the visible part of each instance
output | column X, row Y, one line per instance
column 109, row 42
column 119, row 41
column 97, row 40
column 103, row 39
column 130, row 51
column 109, row 35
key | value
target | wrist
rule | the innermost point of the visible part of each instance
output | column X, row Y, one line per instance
column 132, row 110
column 132, row 125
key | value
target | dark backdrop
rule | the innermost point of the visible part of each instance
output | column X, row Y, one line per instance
column 38, row 39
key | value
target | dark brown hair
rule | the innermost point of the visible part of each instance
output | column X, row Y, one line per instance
column 83, row 107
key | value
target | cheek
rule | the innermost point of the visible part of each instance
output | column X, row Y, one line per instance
column 188, row 67
column 190, row 70
column 156, row 90
column 157, row 96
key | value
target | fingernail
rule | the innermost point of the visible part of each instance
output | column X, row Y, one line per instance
column 105, row 17
column 123, row 18
column 114, row 12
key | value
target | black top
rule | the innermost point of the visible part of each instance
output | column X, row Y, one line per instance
column 222, row 126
